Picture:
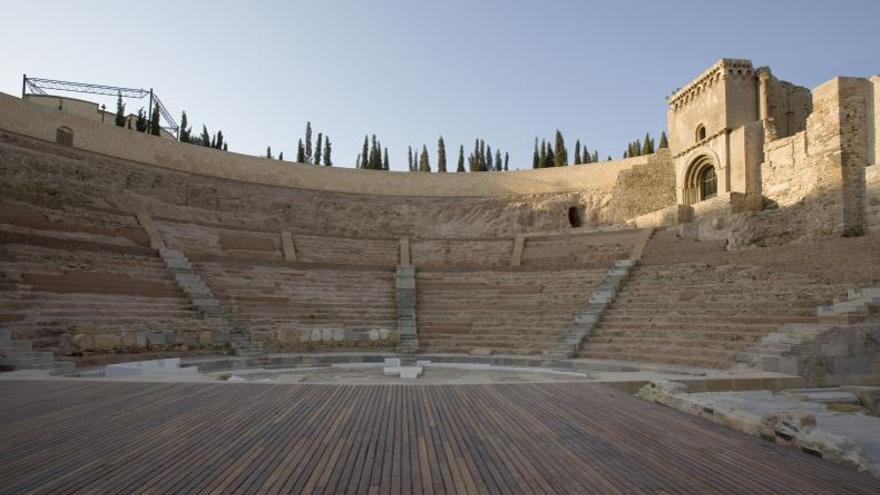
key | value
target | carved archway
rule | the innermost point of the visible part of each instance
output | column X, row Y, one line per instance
column 700, row 180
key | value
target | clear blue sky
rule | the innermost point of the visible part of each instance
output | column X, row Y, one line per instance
column 408, row 71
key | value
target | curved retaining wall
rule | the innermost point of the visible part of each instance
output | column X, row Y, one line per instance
column 33, row 120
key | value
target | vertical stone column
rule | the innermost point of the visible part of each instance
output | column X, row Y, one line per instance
column 149, row 226
column 405, row 259
column 288, row 246
column 854, row 108
column 519, row 245
column 406, row 310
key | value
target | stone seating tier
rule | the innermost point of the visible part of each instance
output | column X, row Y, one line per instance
column 511, row 311
column 48, row 293
column 692, row 303
column 284, row 304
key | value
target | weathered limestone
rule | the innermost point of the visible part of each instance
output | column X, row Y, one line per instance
column 18, row 355
column 288, row 247
column 149, row 226
column 406, row 309
column 519, row 245
column 802, row 423
column 207, row 304
column 405, row 256
column 170, row 366
column 602, row 298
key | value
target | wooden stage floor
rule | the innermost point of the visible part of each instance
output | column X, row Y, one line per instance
column 110, row 437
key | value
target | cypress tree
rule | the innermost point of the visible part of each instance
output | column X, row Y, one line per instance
column 648, row 146
column 560, row 155
column 460, row 159
column 441, row 155
column 225, row 147
column 490, row 166
column 424, row 163
column 120, row 111
column 664, row 142
column 365, row 152
column 269, row 152
column 551, row 157
column 154, row 122
column 577, row 152
column 318, row 150
column 536, row 157
column 374, row 162
column 409, row 157
column 498, row 166
column 308, row 142
column 506, row 159
column 357, row 162
column 219, row 142
column 140, row 122
column 205, row 139
column 328, row 149
column 281, row 156
column 385, row 163
column 300, row 152
column 214, row 141
column 185, row 132
column 586, row 158
column 595, row 156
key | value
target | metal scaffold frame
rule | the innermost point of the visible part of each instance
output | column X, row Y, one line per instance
column 39, row 86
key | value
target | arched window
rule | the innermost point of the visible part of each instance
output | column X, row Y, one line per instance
column 701, row 133
column 64, row 136
column 708, row 183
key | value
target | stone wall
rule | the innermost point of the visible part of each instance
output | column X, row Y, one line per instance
column 57, row 178
column 40, row 122
column 643, row 188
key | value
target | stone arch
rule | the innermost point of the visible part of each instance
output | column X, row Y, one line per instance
column 700, row 180
column 64, row 136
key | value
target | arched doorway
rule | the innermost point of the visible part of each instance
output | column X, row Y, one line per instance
column 701, row 180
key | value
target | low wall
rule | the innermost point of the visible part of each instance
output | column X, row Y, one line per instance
column 37, row 121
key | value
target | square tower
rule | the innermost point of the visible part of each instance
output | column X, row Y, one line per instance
column 715, row 133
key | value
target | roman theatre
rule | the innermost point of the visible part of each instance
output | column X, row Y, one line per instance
column 702, row 319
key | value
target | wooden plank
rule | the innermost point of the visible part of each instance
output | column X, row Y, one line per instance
column 110, row 437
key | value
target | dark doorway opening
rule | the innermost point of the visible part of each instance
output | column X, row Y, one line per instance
column 574, row 217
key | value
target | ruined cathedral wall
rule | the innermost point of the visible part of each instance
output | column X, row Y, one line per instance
column 814, row 182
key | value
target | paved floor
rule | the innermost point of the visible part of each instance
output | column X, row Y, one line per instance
column 108, row 437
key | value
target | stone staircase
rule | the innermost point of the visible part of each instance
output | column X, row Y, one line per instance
column 586, row 320
column 202, row 298
column 796, row 348
column 18, row 355
column 859, row 305
column 406, row 310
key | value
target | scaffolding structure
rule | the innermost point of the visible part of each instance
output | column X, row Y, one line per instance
column 39, row 86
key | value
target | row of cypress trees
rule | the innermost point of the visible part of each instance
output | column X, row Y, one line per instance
column 548, row 155
column 480, row 160
column 646, row 147
column 150, row 126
